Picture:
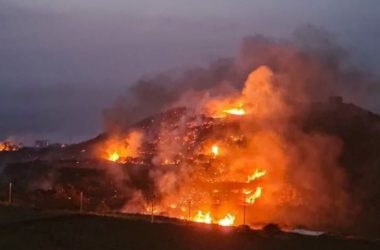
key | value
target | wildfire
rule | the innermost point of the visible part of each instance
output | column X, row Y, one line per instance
column 252, row 198
column 207, row 158
column 206, row 218
column 196, row 167
column 256, row 175
column 118, row 149
column 8, row 146
column 235, row 111
column 201, row 217
column 215, row 150
column 114, row 157
column 221, row 108
column 229, row 220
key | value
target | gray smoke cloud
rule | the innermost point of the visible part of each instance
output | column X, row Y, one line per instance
column 311, row 67
column 151, row 95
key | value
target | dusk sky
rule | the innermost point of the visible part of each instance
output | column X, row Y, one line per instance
column 63, row 61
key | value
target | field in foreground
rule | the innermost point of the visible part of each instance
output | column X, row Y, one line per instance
column 28, row 229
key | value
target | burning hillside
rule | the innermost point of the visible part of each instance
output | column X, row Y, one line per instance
column 238, row 143
column 249, row 158
column 233, row 160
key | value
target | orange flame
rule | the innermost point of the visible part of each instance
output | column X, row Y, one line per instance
column 251, row 199
column 8, row 146
column 118, row 149
column 201, row 217
column 215, row 150
column 235, row 111
column 229, row 220
column 114, row 156
column 206, row 218
column 256, row 175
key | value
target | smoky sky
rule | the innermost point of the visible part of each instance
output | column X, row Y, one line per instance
column 63, row 62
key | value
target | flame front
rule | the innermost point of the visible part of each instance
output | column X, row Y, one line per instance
column 229, row 220
column 201, row 217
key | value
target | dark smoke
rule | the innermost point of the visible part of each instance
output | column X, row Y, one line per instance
column 151, row 95
column 311, row 65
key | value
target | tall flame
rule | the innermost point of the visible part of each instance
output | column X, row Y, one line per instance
column 203, row 217
column 252, row 198
column 229, row 220
column 256, row 175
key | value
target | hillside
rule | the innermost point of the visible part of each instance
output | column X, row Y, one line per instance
column 53, row 177
column 74, row 231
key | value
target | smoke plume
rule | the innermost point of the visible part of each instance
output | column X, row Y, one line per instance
column 273, row 82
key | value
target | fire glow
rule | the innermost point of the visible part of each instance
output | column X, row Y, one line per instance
column 118, row 149
column 170, row 153
column 206, row 218
column 235, row 111
column 8, row 146
column 174, row 147
column 253, row 197
column 215, row 150
column 202, row 217
column 256, row 175
column 205, row 161
column 227, row 221
column 114, row 157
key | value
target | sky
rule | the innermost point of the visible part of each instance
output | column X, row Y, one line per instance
column 63, row 61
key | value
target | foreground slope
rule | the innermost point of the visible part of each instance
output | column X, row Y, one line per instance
column 36, row 230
